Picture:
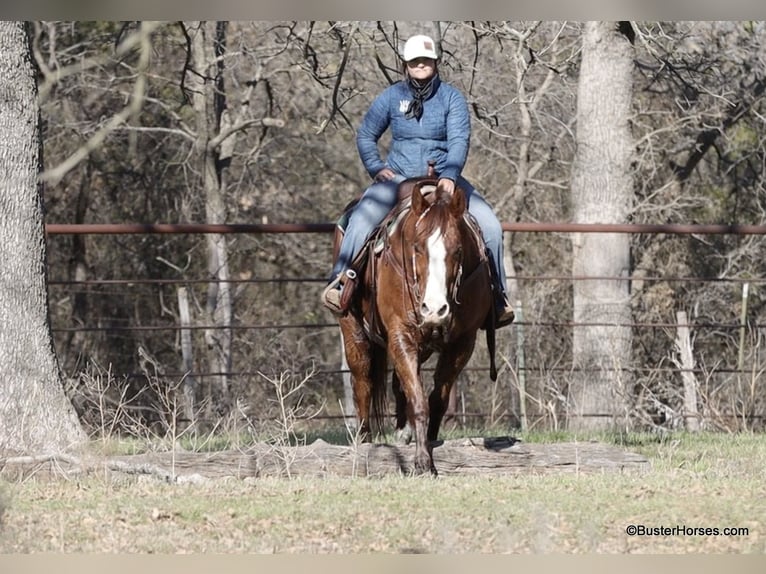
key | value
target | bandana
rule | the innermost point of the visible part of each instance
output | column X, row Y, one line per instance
column 421, row 91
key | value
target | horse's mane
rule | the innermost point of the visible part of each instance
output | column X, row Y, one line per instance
column 435, row 217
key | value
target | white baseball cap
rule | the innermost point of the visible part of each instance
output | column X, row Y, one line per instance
column 419, row 47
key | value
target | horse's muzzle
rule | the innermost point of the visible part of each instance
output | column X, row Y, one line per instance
column 434, row 317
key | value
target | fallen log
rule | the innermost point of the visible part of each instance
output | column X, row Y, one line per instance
column 497, row 456
column 469, row 456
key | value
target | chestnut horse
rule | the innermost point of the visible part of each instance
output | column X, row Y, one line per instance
column 426, row 287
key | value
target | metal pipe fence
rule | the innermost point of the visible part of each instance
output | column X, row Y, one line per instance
column 109, row 286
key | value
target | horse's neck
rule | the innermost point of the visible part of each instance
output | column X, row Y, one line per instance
column 474, row 236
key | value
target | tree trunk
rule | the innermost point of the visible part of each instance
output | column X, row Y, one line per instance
column 602, row 192
column 35, row 414
column 75, row 350
column 208, row 40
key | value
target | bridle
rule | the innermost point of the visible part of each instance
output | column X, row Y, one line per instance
column 413, row 293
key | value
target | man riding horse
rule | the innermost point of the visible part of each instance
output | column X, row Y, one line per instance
column 429, row 122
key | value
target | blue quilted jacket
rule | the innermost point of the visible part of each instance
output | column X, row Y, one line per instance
column 442, row 134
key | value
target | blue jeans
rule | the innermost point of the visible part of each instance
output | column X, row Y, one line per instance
column 380, row 198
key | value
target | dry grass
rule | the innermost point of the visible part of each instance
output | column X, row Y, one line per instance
column 702, row 481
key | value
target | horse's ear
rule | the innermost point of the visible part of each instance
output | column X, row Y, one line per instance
column 418, row 201
column 458, row 203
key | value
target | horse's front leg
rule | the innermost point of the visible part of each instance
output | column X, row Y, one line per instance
column 404, row 356
column 403, row 431
column 452, row 360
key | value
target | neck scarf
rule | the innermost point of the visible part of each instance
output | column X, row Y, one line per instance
column 421, row 91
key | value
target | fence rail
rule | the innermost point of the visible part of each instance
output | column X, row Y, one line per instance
column 528, row 227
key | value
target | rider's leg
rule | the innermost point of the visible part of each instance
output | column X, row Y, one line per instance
column 374, row 205
column 372, row 208
column 492, row 232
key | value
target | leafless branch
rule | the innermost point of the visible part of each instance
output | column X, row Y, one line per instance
column 51, row 77
column 142, row 39
column 336, row 88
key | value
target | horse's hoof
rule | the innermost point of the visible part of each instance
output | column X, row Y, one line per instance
column 418, row 471
column 429, row 472
column 423, row 467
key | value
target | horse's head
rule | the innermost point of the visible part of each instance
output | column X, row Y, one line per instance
column 437, row 252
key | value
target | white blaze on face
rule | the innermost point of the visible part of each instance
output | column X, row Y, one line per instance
column 435, row 305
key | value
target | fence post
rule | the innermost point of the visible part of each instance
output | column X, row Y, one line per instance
column 521, row 365
column 187, row 356
column 686, row 357
column 742, row 325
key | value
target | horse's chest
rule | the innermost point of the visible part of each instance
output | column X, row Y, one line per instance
column 434, row 338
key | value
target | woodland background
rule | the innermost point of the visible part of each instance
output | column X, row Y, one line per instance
column 295, row 92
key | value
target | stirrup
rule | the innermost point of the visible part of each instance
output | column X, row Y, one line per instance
column 331, row 296
column 505, row 317
column 504, row 314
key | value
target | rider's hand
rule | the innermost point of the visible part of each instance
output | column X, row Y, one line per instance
column 385, row 174
column 446, row 184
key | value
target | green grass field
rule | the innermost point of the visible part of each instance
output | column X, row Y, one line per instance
column 695, row 481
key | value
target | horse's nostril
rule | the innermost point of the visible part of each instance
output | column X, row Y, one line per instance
column 428, row 311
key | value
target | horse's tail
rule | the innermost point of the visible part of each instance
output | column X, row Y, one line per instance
column 379, row 405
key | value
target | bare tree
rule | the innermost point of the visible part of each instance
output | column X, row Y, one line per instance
column 602, row 192
column 205, row 81
column 217, row 124
column 35, row 414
